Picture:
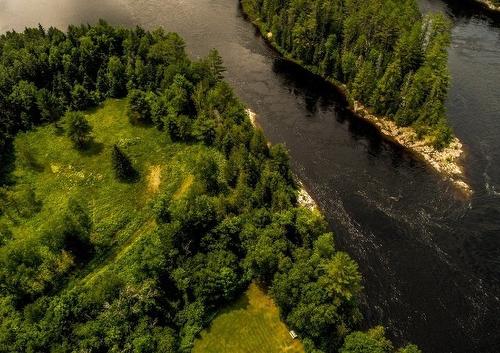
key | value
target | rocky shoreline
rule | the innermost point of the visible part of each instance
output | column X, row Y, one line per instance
column 447, row 162
column 490, row 5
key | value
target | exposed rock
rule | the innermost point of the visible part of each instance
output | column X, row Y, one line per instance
column 445, row 161
column 251, row 116
column 304, row 198
column 490, row 5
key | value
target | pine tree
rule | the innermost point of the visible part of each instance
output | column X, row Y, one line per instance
column 116, row 78
column 80, row 98
column 79, row 129
column 121, row 164
column 215, row 65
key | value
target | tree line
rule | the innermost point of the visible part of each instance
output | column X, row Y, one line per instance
column 391, row 58
column 238, row 222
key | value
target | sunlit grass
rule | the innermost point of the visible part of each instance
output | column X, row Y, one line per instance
column 48, row 163
column 250, row 325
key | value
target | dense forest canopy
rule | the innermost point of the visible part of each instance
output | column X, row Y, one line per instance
column 152, row 278
column 391, row 59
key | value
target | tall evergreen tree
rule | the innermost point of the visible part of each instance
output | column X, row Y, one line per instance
column 215, row 65
column 390, row 57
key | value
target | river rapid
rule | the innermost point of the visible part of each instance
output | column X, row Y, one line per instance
column 430, row 258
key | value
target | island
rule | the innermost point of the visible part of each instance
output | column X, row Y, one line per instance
column 385, row 57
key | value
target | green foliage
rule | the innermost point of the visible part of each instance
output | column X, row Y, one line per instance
column 314, row 289
column 18, row 202
column 5, row 234
column 31, row 266
column 76, row 231
column 391, row 58
column 373, row 341
column 144, row 266
column 81, row 98
column 215, row 65
column 78, row 129
column 140, row 106
column 116, row 77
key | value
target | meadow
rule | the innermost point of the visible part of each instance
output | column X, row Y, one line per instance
column 52, row 171
column 250, row 325
column 48, row 165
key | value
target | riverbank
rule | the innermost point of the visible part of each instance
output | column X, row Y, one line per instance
column 447, row 161
column 304, row 198
column 490, row 5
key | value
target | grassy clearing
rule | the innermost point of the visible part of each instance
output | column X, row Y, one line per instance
column 49, row 165
column 65, row 172
column 251, row 325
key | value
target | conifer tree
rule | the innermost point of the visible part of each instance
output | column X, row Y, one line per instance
column 215, row 64
column 79, row 129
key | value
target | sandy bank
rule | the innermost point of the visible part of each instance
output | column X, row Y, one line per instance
column 447, row 162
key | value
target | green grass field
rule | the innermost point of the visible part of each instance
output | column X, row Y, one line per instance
column 49, row 165
column 251, row 325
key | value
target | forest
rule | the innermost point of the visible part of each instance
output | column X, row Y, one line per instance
column 97, row 254
column 391, row 59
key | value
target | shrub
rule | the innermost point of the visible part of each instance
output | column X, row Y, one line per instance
column 79, row 129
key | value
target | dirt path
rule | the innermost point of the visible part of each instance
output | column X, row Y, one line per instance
column 154, row 178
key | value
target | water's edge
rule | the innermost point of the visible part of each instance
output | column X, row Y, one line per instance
column 489, row 5
column 304, row 198
column 448, row 162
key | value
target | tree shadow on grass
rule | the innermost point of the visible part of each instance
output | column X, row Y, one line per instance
column 91, row 148
column 58, row 128
column 7, row 164
column 34, row 165
column 132, row 178
column 241, row 302
column 137, row 122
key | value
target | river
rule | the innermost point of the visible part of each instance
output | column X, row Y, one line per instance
column 430, row 259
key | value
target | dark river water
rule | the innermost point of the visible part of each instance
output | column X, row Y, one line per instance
column 430, row 259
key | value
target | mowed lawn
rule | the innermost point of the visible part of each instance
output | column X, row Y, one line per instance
column 251, row 325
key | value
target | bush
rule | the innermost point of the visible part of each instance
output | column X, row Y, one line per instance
column 79, row 130
column 139, row 106
column 373, row 341
column 5, row 234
